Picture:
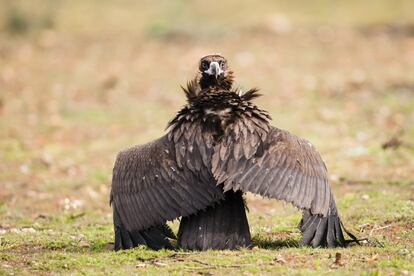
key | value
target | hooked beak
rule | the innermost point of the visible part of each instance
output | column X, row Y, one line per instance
column 214, row 69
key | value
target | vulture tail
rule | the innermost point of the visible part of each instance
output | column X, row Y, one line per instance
column 155, row 237
column 222, row 226
column 320, row 231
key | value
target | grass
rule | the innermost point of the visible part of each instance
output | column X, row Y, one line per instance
column 103, row 76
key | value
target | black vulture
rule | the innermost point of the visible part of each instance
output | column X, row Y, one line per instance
column 218, row 146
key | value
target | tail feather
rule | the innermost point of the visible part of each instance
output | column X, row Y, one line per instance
column 155, row 237
column 223, row 226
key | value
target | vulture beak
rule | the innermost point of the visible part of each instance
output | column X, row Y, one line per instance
column 214, row 69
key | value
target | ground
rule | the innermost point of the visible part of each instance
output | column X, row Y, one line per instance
column 80, row 80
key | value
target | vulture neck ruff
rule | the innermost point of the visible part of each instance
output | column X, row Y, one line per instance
column 214, row 110
column 221, row 82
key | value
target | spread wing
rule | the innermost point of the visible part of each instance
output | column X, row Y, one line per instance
column 150, row 187
column 255, row 157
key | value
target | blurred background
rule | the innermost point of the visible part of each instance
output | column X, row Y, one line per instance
column 80, row 80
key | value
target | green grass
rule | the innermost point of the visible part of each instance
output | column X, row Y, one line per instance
column 78, row 242
column 80, row 80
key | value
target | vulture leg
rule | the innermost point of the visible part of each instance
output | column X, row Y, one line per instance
column 155, row 237
column 222, row 226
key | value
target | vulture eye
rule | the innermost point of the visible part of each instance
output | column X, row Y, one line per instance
column 204, row 65
column 221, row 63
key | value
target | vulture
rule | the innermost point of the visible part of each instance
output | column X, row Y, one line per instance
column 219, row 146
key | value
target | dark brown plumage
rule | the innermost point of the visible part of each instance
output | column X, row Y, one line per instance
column 217, row 146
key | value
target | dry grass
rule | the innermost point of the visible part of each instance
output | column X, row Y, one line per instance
column 84, row 79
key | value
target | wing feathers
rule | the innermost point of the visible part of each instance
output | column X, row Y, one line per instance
column 273, row 163
column 163, row 180
column 320, row 232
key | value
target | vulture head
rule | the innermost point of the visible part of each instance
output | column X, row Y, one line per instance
column 215, row 73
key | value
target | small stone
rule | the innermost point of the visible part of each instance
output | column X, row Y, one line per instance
column 279, row 259
column 404, row 251
column 84, row 243
column 28, row 230
column 24, row 168
column 46, row 158
column 365, row 197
